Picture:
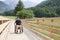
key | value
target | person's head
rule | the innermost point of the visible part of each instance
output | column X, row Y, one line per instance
column 18, row 18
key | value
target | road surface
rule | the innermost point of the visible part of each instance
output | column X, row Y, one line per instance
column 26, row 35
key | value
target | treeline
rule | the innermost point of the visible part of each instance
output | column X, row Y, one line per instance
column 48, row 8
column 9, row 13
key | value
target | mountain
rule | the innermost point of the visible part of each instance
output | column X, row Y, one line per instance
column 11, row 3
column 48, row 8
column 49, row 3
column 3, row 7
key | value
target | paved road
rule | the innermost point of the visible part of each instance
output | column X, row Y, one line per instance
column 26, row 35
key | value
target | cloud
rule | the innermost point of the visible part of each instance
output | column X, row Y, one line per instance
column 11, row 1
column 27, row 3
column 2, row 0
column 34, row 1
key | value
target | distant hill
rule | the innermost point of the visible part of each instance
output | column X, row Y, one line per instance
column 48, row 8
column 11, row 3
column 3, row 7
column 49, row 3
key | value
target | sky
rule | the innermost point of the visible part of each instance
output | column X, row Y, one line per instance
column 35, row 2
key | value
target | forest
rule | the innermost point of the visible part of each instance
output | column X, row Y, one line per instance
column 48, row 8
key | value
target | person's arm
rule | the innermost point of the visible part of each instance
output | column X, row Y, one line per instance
column 21, row 22
column 15, row 23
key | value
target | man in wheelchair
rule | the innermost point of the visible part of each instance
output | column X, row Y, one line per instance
column 18, row 25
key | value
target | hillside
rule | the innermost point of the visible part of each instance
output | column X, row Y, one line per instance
column 3, row 7
column 49, row 3
column 48, row 8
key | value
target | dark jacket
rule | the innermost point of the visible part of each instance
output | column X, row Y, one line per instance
column 18, row 22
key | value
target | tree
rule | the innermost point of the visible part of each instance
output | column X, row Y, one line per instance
column 9, row 13
column 58, row 11
column 19, row 6
column 25, row 13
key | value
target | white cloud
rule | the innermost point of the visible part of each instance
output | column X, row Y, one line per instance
column 35, row 1
column 2, row 0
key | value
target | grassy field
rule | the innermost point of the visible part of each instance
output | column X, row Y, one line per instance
column 56, row 21
column 11, row 17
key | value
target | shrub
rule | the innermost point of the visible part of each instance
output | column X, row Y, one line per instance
column 25, row 13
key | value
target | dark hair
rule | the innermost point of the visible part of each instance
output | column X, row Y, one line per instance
column 18, row 17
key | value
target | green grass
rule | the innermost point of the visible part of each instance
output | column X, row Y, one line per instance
column 42, row 33
column 58, row 27
column 11, row 17
column 57, row 21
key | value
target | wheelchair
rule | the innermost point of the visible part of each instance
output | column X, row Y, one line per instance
column 18, row 29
